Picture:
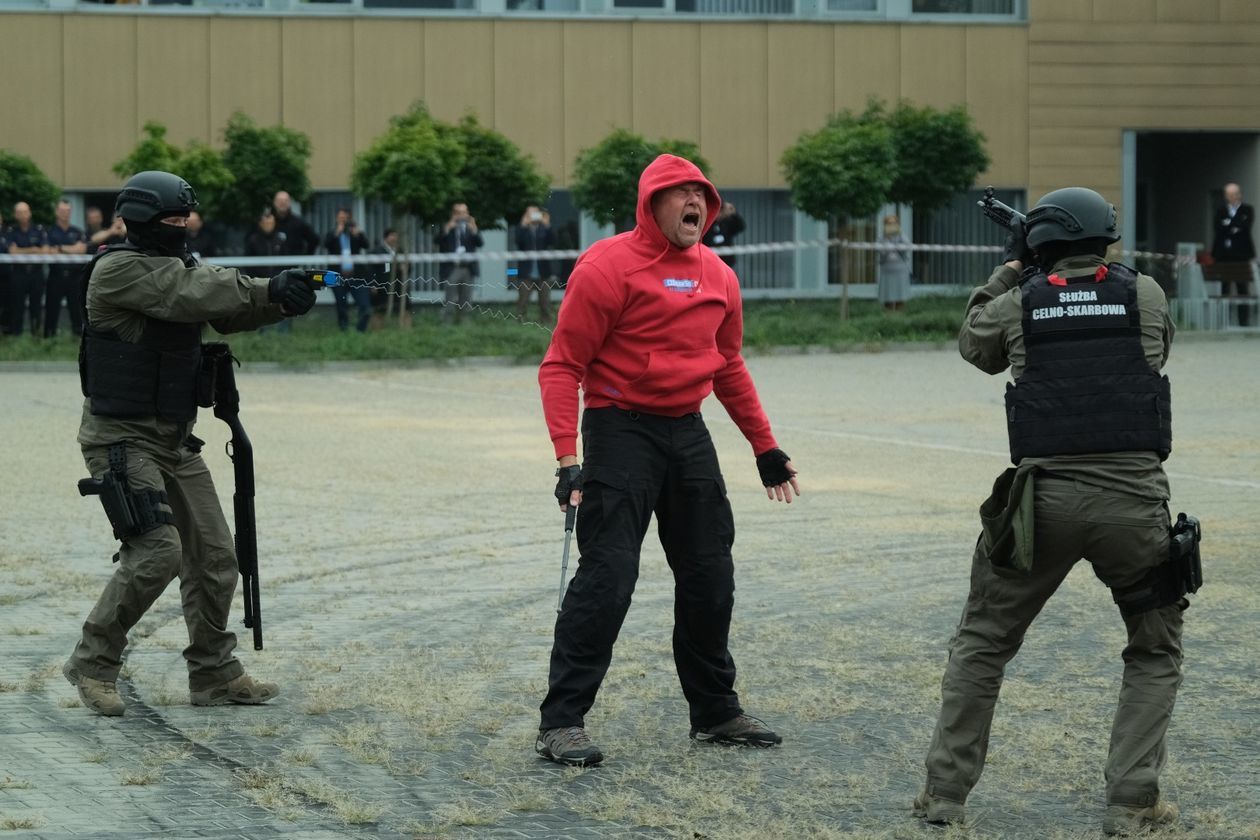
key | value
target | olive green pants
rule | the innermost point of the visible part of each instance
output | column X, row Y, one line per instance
column 197, row 549
column 1123, row 537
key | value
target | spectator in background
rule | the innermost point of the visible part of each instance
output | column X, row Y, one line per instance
column 200, row 239
column 26, row 280
column 345, row 241
column 894, row 266
column 1233, row 249
column 93, row 224
column 63, row 278
column 115, row 234
column 4, row 282
column 264, row 241
column 534, row 234
column 296, row 235
column 729, row 224
column 459, row 236
column 391, row 276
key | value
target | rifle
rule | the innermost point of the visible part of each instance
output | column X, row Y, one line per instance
column 999, row 212
column 217, row 361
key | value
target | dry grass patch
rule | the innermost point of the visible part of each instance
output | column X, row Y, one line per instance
column 8, row 783
column 139, row 776
column 20, row 823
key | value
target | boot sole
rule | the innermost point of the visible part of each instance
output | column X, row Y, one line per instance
column 589, row 761
column 727, row 741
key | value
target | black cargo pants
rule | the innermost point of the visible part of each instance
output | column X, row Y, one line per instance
column 636, row 465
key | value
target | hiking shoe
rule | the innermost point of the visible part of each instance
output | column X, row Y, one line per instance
column 244, row 690
column 97, row 695
column 741, row 730
column 937, row 810
column 568, row 745
column 1134, row 819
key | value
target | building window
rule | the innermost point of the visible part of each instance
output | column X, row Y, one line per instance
column 963, row 7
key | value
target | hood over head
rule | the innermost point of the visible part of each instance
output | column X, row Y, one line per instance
column 669, row 171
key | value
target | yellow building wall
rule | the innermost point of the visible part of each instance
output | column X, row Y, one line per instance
column 1052, row 96
column 1099, row 67
column 743, row 90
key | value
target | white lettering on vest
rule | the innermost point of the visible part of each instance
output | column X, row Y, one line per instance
column 1073, row 297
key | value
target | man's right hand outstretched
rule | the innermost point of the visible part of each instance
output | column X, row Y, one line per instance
column 292, row 291
column 568, row 483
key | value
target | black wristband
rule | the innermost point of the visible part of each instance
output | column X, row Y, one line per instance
column 772, row 466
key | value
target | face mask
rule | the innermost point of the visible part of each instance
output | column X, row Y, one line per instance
column 536, row 216
column 155, row 236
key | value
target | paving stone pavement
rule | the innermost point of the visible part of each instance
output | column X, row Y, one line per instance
column 409, row 554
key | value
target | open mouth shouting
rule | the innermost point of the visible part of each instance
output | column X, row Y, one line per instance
column 680, row 213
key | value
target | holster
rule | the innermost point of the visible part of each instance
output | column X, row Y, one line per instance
column 130, row 512
column 1166, row 584
column 213, row 354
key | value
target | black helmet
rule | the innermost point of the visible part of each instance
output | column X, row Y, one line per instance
column 1070, row 215
column 151, row 195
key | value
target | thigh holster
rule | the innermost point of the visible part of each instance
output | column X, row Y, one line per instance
column 1166, row 584
column 131, row 512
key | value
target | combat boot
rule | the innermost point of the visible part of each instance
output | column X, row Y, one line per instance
column 1126, row 820
column 98, row 695
column 244, row 690
column 938, row 810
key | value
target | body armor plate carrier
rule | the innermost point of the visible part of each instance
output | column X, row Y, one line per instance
column 1087, row 386
column 153, row 377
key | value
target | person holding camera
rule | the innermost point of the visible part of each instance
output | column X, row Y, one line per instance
column 459, row 236
column 346, row 240
column 534, row 234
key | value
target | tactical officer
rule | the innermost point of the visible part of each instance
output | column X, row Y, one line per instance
column 1089, row 427
column 145, row 303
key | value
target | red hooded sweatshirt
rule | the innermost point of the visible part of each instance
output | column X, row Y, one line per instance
column 648, row 326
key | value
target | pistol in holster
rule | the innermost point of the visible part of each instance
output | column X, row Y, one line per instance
column 1166, row 584
column 131, row 512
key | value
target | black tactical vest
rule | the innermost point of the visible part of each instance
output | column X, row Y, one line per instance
column 153, row 377
column 1086, row 386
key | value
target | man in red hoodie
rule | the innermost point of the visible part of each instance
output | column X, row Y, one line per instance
column 651, row 324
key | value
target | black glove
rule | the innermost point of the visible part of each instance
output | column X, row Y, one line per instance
column 1017, row 244
column 773, row 467
column 292, row 291
column 568, row 480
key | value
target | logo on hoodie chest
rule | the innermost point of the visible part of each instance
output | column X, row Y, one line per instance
column 682, row 285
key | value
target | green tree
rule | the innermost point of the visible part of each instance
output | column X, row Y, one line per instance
column 262, row 161
column 203, row 167
column 497, row 180
column 939, row 153
column 606, row 176
column 844, row 169
column 198, row 164
column 22, row 180
column 153, row 152
column 414, row 166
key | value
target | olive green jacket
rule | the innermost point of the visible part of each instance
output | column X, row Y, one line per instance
column 127, row 288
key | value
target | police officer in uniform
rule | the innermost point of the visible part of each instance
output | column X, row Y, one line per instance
column 145, row 303
column 1089, row 427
